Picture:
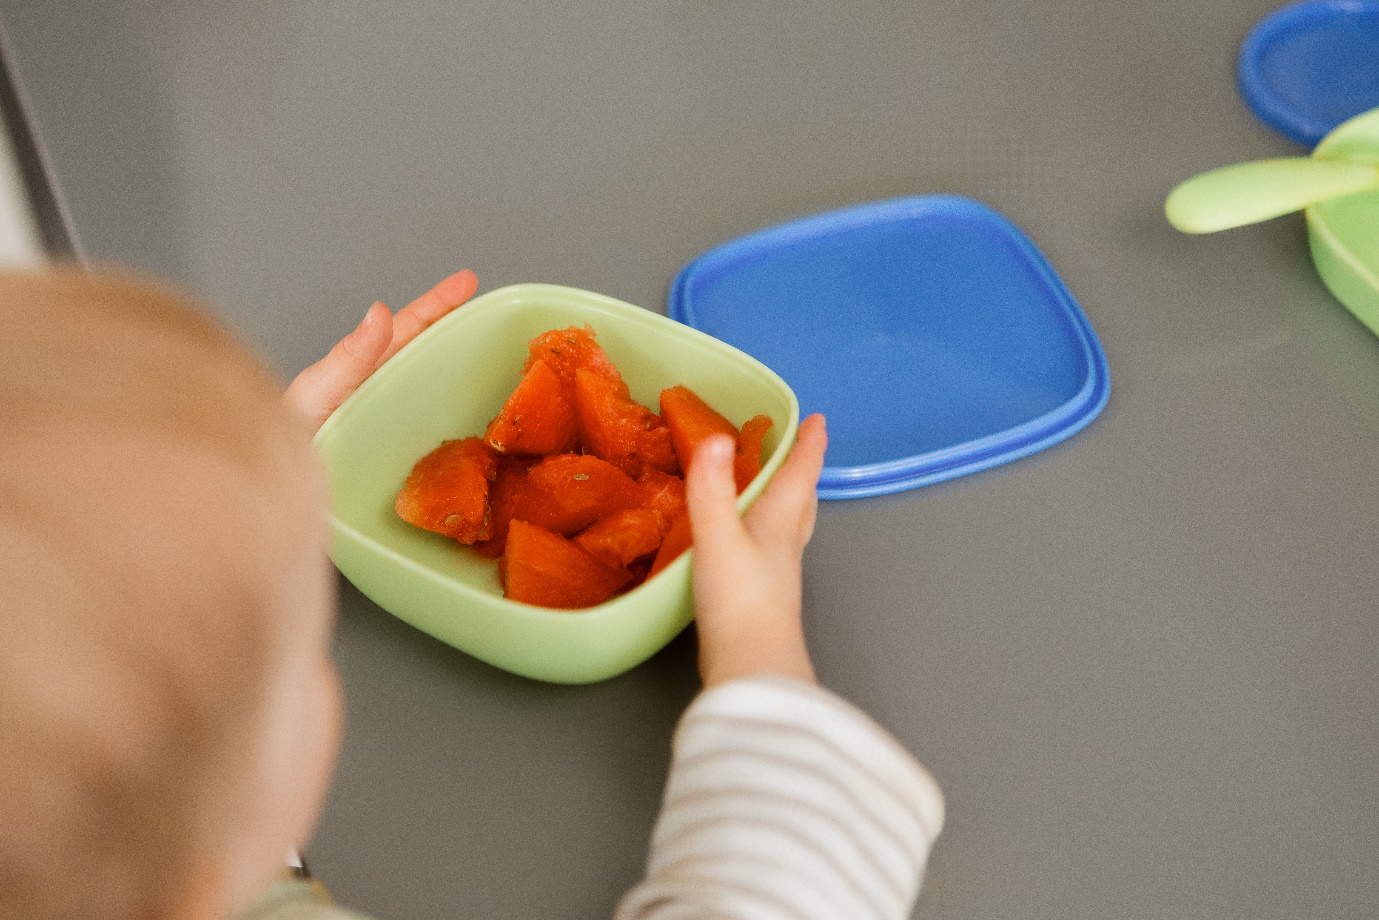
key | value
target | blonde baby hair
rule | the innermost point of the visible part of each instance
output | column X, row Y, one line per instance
column 149, row 478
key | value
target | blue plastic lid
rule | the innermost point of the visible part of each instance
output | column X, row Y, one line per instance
column 1308, row 67
column 933, row 334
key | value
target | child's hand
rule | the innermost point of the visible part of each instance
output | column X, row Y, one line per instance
column 321, row 388
column 747, row 573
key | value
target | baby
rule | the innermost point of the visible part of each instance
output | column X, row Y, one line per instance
column 169, row 714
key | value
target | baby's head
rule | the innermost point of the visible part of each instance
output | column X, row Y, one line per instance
column 168, row 713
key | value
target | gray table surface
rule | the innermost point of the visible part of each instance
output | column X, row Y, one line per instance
column 1142, row 664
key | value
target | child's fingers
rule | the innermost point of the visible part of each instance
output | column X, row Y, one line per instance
column 412, row 319
column 786, row 510
column 320, row 389
column 711, row 493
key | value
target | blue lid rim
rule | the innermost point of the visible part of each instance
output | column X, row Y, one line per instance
column 1288, row 121
column 1014, row 443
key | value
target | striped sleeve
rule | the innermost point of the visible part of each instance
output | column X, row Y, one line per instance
column 786, row 803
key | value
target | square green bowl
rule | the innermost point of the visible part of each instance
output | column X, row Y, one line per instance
column 1343, row 233
column 449, row 383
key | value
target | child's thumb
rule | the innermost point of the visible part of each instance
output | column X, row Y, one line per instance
column 711, row 493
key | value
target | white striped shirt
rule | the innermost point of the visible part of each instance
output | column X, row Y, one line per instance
column 785, row 802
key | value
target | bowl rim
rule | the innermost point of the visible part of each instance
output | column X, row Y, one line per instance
column 1319, row 225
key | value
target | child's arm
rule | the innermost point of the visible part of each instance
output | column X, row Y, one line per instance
column 320, row 389
column 783, row 800
column 747, row 578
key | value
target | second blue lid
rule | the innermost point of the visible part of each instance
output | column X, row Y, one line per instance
column 933, row 334
column 1308, row 67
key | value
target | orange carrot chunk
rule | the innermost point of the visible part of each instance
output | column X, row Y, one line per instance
column 747, row 463
column 538, row 418
column 543, row 568
column 676, row 542
column 568, row 492
column 691, row 421
column 624, row 537
column 663, row 493
column 575, row 488
column 639, row 570
column 568, row 350
column 447, row 491
column 505, row 501
column 616, row 428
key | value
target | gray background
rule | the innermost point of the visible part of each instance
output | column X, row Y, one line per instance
column 1141, row 664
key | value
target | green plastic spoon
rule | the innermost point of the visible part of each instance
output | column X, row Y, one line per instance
column 1247, row 193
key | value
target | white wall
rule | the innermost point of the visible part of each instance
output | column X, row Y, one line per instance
column 20, row 244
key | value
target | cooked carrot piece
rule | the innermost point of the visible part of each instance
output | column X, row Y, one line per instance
column 656, row 448
column 616, row 428
column 663, row 493
column 538, row 418
column 567, row 493
column 543, row 568
column 568, row 350
column 747, row 463
column 624, row 537
column 679, row 539
column 691, row 421
column 447, row 491
column 639, row 570
column 572, row 529
column 505, row 500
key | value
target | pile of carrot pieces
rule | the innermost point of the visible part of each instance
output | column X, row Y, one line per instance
column 576, row 488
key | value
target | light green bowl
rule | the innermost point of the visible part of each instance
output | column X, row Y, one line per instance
column 1344, row 232
column 448, row 384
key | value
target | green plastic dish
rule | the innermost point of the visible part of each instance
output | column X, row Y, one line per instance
column 1343, row 233
column 448, row 384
